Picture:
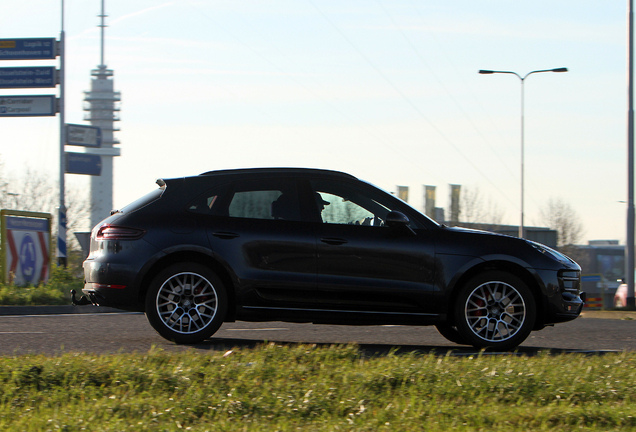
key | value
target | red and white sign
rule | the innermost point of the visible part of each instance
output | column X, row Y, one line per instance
column 27, row 245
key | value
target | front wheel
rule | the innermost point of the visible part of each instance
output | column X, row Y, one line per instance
column 186, row 303
column 495, row 310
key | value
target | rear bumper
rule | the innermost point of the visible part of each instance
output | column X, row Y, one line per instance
column 111, row 284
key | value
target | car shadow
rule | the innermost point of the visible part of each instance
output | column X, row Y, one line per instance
column 376, row 350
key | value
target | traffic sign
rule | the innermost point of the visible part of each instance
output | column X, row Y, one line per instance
column 28, row 49
column 80, row 163
column 83, row 135
column 26, row 246
column 27, row 105
column 28, row 77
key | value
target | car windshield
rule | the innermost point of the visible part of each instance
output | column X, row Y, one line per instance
column 407, row 204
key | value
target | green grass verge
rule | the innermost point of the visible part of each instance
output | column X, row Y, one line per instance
column 55, row 292
column 313, row 388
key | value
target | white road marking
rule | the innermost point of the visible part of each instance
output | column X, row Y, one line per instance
column 22, row 332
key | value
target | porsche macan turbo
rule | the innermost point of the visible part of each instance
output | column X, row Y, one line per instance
column 318, row 246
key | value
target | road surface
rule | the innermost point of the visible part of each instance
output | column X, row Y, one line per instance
column 128, row 332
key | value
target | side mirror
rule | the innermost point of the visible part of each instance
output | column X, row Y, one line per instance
column 396, row 219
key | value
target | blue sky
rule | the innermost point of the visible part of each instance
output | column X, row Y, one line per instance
column 385, row 90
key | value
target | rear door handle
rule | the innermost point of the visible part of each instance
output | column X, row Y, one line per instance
column 225, row 235
column 333, row 240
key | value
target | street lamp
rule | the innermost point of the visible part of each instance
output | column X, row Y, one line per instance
column 522, row 78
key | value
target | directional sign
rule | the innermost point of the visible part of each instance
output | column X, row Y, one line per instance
column 26, row 243
column 27, row 49
column 83, row 135
column 80, row 163
column 27, row 105
column 28, row 77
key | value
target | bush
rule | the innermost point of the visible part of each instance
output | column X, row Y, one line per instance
column 54, row 292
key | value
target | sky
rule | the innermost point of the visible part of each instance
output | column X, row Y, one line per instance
column 388, row 91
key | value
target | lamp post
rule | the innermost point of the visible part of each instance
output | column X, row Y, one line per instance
column 522, row 78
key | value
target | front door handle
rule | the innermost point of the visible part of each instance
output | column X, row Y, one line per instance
column 333, row 240
column 225, row 235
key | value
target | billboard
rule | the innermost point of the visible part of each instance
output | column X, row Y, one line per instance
column 26, row 247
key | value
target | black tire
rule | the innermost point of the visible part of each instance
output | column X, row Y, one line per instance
column 186, row 303
column 451, row 334
column 495, row 310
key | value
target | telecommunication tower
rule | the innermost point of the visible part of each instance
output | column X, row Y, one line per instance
column 102, row 106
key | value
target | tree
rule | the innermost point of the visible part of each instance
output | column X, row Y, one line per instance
column 561, row 217
column 36, row 192
column 474, row 209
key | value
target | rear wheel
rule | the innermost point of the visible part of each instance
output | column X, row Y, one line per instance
column 186, row 303
column 495, row 310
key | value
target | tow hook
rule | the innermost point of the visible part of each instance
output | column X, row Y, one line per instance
column 81, row 302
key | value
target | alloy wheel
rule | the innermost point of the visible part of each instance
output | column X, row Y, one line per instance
column 495, row 311
column 186, row 303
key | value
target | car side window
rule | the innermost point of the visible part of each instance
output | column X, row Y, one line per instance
column 342, row 211
column 265, row 199
column 346, row 204
column 206, row 203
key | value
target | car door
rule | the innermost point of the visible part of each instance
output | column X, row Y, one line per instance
column 256, row 229
column 364, row 265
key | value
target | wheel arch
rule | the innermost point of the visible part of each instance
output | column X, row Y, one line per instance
column 198, row 257
column 506, row 266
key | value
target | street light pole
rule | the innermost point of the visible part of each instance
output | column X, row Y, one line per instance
column 522, row 78
column 629, row 244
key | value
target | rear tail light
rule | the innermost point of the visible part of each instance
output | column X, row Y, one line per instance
column 113, row 232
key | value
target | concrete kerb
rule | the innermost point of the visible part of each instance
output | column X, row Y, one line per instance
column 613, row 314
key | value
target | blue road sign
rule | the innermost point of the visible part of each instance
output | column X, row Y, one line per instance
column 28, row 49
column 28, row 77
column 28, row 257
column 27, row 105
column 83, row 135
column 81, row 163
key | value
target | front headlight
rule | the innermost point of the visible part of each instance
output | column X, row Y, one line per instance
column 555, row 255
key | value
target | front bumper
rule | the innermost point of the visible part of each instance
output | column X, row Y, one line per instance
column 564, row 295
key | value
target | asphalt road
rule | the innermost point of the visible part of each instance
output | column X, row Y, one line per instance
column 121, row 332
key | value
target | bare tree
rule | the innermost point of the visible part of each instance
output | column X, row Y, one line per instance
column 36, row 192
column 560, row 216
column 475, row 209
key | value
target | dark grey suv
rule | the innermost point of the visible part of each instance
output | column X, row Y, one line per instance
column 306, row 245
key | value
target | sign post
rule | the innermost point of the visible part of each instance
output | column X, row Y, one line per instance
column 38, row 105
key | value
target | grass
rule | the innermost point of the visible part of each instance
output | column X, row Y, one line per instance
column 55, row 292
column 313, row 388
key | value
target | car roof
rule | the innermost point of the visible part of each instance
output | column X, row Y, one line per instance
column 296, row 171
